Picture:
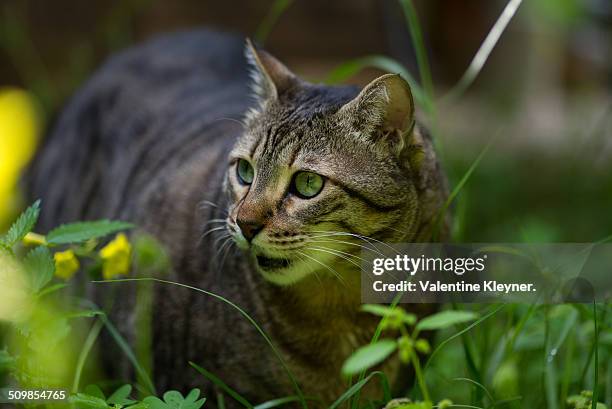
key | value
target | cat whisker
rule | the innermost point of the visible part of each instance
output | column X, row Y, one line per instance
column 238, row 121
column 331, row 240
column 227, row 240
column 337, row 254
column 341, row 252
column 214, row 229
column 315, row 271
column 334, row 272
column 214, row 221
column 359, row 236
column 225, row 253
column 331, row 236
column 222, row 239
column 207, row 203
column 397, row 230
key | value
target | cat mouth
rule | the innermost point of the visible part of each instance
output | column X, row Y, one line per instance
column 270, row 263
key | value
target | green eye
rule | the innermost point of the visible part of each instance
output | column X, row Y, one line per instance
column 245, row 172
column 308, row 184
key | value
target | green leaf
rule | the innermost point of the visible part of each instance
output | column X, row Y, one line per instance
column 94, row 390
column 155, row 403
column 445, row 319
column 193, row 395
column 380, row 310
column 120, row 396
column 83, row 231
column 24, row 224
column 83, row 401
column 139, row 405
column 368, row 356
column 390, row 312
column 40, row 267
column 174, row 400
column 51, row 289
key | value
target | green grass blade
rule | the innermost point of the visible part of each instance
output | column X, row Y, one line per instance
column 466, row 176
column 471, row 365
column 375, row 337
column 608, row 388
column 125, row 347
column 519, row 328
column 274, row 403
column 260, row 330
column 566, row 377
column 482, row 55
column 479, row 385
column 463, row 331
column 264, row 29
column 592, row 351
column 353, row 390
column 87, row 345
column 549, row 378
column 414, row 27
column 381, row 62
column 220, row 401
column 596, row 363
column 217, row 381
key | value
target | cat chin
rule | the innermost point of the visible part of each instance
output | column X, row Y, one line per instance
column 284, row 277
column 291, row 274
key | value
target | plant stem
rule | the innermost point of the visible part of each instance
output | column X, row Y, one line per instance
column 420, row 378
column 416, row 363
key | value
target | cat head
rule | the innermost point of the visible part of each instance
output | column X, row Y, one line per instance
column 320, row 171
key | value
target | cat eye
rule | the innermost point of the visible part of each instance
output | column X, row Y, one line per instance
column 307, row 184
column 245, row 172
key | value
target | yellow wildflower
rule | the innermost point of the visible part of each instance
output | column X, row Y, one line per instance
column 116, row 257
column 66, row 264
column 19, row 127
column 34, row 239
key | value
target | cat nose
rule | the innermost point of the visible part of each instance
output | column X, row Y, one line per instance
column 249, row 228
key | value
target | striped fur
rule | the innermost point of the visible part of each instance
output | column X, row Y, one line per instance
column 154, row 138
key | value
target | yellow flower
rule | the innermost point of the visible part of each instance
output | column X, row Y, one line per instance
column 116, row 257
column 34, row 239
column 19, row 128
column 66, row 264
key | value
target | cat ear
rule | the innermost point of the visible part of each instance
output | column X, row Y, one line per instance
column 383, row 109
column 270, row 76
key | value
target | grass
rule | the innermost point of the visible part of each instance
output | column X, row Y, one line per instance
column 241, row 311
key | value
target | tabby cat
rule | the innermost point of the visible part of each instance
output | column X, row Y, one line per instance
column 262, row 187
